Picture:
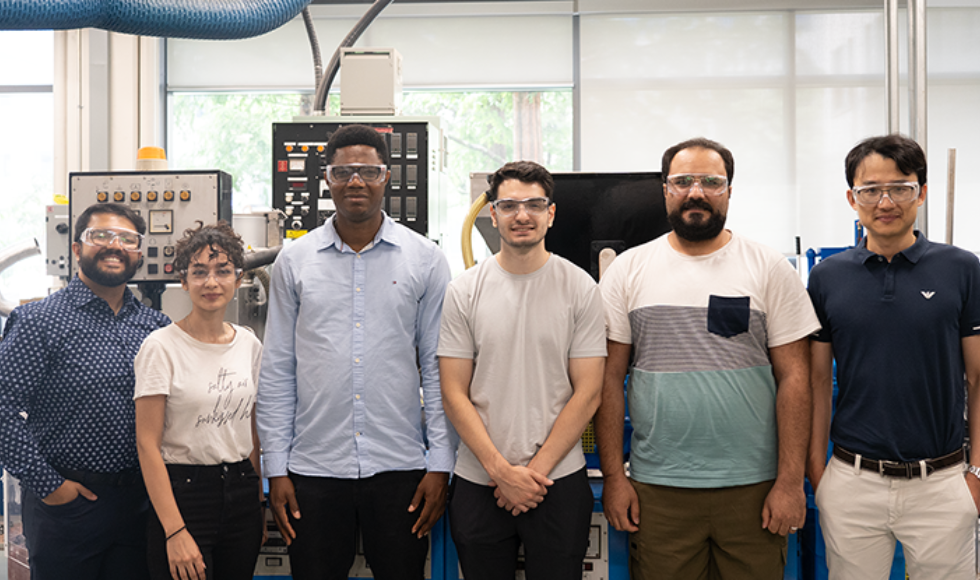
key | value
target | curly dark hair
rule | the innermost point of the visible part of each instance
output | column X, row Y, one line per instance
column 220, row 237
column 356, row 134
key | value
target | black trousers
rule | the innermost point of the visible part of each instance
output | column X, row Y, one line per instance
column 334, row 510
column 103, row 539
column 555, row 534
column 221, row 509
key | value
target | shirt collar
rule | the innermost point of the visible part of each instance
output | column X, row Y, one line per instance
column 387, row 233
column 80, row 295
column 911, row 253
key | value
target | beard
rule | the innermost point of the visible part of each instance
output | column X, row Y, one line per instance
column 89, row 265
column 699, row 230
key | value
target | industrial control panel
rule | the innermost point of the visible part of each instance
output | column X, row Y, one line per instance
column 57, row 243
column 300, row 190
column 169, row 201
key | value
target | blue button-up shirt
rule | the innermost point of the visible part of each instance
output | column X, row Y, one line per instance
column 67, row 362
column 346, row 334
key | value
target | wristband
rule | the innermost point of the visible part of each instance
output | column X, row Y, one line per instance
column 974, row 470
column 179, row 530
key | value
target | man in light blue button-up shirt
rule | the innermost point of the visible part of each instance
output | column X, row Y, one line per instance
column 354, row 312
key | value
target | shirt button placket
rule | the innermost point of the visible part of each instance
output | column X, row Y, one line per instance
column 357, row 343
column 889, row 293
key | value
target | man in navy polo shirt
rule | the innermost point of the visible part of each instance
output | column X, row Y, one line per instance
column 901, row 315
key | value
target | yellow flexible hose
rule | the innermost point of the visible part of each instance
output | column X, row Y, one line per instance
column 468, row 223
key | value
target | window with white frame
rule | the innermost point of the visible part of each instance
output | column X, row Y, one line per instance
column 494, row 106
column 790, row 91
column 26, row 163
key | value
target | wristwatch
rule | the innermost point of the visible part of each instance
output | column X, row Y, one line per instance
column 974, row 470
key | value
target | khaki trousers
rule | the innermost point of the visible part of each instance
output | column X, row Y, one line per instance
column 863, row 513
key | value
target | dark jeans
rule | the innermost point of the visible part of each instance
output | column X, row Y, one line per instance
column 221, row 508
column 103, row 539
column 555, row 534
column 334, row 510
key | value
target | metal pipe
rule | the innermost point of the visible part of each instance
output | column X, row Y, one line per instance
column 576, row 93
column 892, row 102
column 917, row 90
column 8, row 258
column 950, row 192
column 260, row 258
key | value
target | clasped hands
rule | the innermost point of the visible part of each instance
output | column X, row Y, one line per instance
column 519, row 489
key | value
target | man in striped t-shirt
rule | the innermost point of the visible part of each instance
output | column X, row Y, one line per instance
column 718, row 394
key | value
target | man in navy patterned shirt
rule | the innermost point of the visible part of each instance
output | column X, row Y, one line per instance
column 67, row 363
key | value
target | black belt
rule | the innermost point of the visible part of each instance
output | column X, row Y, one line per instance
column 198, row 472
column 898, row 468
column 97, row 478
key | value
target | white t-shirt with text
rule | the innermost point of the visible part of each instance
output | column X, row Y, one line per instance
column 210, row 390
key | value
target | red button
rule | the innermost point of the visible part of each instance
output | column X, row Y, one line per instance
column 168, row 268
column 283, row 165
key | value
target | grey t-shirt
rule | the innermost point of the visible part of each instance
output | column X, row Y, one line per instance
column 520, row 331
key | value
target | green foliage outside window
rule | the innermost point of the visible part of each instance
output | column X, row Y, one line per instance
column 233, row 132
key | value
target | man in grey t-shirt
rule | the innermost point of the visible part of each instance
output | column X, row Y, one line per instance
column 521, row 355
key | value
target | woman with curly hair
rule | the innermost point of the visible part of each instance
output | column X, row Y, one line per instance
column 195, row 422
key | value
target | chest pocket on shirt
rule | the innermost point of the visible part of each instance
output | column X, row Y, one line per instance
column 728, row 315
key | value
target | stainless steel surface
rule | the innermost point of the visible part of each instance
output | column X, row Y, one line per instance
column 917, row 90
column 891, row 67
column 950, row 192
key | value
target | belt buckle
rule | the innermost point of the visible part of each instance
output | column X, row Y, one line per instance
column 907, row 467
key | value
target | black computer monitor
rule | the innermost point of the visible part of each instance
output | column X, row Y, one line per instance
column 599, row 210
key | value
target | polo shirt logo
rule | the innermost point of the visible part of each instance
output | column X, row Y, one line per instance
column 928, row 293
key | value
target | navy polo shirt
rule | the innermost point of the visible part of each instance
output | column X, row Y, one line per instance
column 896, row 330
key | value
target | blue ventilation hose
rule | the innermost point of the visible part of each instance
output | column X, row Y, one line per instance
column 199, row 19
